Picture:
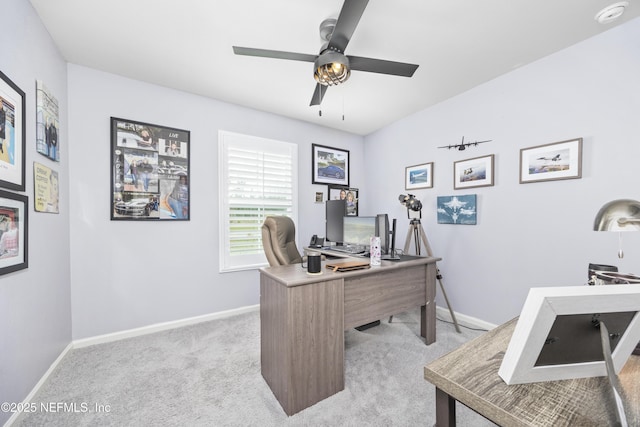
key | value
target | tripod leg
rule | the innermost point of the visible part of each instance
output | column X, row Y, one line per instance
column 439, row 276
column 444, row 294
column 407, row 241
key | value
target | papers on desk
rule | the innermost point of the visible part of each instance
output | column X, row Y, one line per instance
column 348, row 265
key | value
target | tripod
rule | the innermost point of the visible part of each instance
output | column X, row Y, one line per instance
column 415, row 229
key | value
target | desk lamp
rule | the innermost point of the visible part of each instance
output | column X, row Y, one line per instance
column 618, row 215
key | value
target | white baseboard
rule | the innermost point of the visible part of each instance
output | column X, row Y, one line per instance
column 100, row 339
column 39, row 384
column 158, row 327
column 464, row 320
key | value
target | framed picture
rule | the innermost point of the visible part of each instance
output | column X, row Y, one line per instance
column 12, row 135
column 476, row 172
column 329, row 165
column 418, row 176
column 47, row 123
column 457, row 209
column 14, row 227
column 319, row 197
column 338, row 192
column 549, row 162
column 559, row 333
column 46, row 189
column 149, row 171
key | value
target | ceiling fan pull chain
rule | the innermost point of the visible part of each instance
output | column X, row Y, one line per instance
column 620, row 252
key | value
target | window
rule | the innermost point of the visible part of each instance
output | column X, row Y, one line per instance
column 258, row 177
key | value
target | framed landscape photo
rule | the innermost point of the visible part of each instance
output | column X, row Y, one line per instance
column 150, row 177
column 329, row 165
column 12, row 135
column 550, row 162
column 476, row 172
column 418, row 176
column 14, row 232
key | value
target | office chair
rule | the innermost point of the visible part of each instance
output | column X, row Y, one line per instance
column 279, row 241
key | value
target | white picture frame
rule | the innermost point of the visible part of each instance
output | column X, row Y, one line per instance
column 541, row 309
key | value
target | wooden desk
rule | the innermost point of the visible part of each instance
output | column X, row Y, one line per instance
column 303, row 319
column 469, row 375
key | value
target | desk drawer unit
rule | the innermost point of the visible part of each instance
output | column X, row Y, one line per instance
column 374, row 296
column 302, row 341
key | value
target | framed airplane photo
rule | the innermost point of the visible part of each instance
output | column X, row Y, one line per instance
column 550, row 162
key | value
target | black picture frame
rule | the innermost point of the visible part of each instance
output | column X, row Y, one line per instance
column 14, row 232
column 12, row 135
column 329, row 165
column 337, row 192
column 150, row 172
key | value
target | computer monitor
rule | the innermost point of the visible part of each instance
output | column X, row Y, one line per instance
column 382, row 231
column 391, row 253
column 358, row 230
column 335, row 212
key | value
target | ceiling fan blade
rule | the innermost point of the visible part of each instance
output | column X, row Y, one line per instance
column 347, row 22
column 266, row 53
column 318, row 94
column 381, row 66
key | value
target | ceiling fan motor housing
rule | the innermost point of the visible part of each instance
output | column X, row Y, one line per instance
column 326, row 28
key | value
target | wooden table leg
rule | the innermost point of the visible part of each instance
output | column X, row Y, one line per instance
column 445, row 409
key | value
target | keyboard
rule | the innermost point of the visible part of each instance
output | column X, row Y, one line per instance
column 352, row 249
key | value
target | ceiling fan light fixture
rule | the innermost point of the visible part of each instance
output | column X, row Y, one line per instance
column 331, row 68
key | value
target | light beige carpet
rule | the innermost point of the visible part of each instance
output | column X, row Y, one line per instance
column 209, row 375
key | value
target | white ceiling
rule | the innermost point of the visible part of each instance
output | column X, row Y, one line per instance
column 187, row 45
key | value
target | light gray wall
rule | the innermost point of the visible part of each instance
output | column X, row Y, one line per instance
column 534, row 234
column 125, row 275
column 131, row 274
column 35, row 312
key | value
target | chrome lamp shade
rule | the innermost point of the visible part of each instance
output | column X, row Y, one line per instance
column 618, row 215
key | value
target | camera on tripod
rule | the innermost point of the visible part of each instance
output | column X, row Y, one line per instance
column 412, row 204
column 414, row 213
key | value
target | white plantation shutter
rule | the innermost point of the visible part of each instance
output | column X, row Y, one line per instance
column 258, row 177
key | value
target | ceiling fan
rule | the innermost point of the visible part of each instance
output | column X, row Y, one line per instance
column 331, row 65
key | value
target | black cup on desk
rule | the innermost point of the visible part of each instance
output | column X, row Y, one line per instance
column 314, row 264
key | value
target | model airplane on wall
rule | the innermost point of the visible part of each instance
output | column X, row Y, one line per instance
column 463, row 145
